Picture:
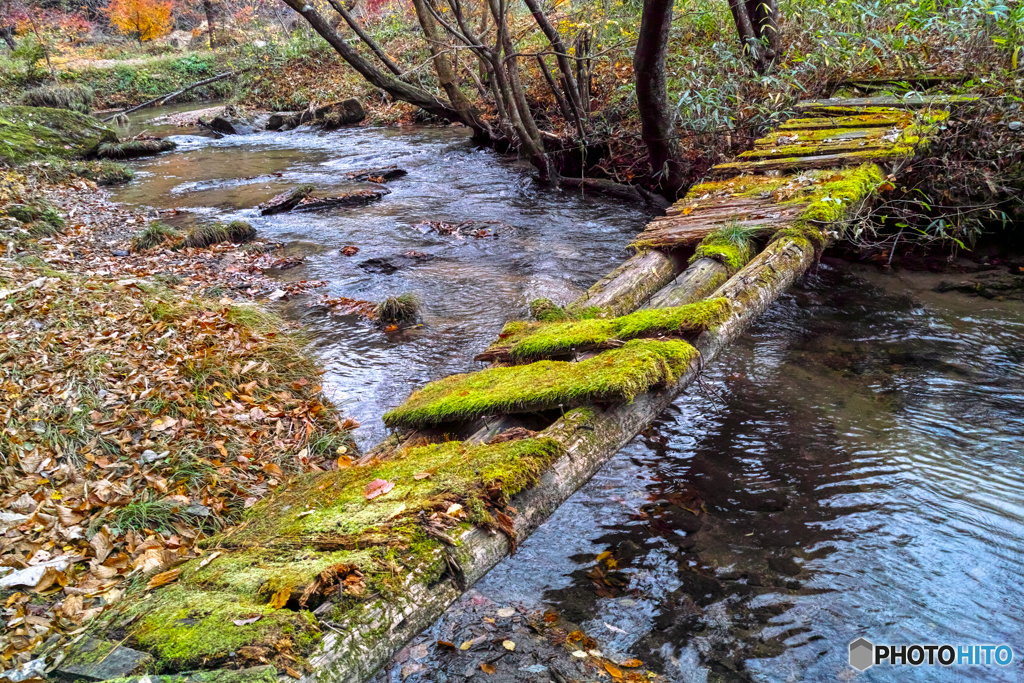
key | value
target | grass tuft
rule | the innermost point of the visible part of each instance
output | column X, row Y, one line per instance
column 156, row 234
column 398, row 310
column 130, row 149
column 215, row 233
column 732, row 246
column 72, row 97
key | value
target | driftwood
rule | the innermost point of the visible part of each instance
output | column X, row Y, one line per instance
column 286, row 201
column 383, row 172
column 164, row 98
column 349, row 199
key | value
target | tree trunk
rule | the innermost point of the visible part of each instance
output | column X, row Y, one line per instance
column 749, row 37
column 764, row 15
column 7, row 33
column 446, row 73
column 208, row 7
column 561, row 53
column 394, row 87
column 657, row 125
column 354, row 25
column 563, row 106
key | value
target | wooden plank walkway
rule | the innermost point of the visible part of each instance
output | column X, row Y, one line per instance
column 328, row 579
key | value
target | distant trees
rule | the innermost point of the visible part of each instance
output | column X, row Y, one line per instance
column 141, row 19
column 757, row 24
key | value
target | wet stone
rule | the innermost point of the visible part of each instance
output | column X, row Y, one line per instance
column 100, row 660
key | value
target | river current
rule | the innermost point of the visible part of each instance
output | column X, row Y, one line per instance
column 850, row 467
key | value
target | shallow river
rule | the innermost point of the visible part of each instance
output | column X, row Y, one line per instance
column 854, row 459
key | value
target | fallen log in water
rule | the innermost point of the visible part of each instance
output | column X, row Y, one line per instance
column 286, row 201
column 382, row 172
column 348, row 199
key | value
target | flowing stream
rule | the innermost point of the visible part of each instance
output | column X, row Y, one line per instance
column 849, row 468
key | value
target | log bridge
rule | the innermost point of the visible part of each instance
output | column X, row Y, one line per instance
column 329, row 577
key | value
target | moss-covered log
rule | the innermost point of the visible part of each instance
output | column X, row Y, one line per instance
column 613, row 376
column 525, row 341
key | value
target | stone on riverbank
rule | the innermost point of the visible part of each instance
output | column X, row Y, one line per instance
column 30, row 132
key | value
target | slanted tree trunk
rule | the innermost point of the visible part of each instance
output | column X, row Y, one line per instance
column 757, row 25
column 208, row 7
column 354, row 25
column 7, row 33
column 657, row 125
column 445, row 71
column 561, row 55
column 394, row 87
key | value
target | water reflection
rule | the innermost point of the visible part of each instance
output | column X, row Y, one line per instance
column 852, row 470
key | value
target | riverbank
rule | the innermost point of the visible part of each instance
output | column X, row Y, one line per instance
column 144, row 409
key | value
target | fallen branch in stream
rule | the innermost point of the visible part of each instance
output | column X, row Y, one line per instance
column 163, row 99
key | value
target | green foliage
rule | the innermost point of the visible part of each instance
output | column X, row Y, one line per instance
column 732, row 246
column 546, row 311
column 612, row 376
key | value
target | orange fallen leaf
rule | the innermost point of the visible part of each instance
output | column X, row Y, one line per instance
column 631, row 663
column 488, row 668
column 280, row 598
column 378, row 487
column 615, row 671
column 164, row 578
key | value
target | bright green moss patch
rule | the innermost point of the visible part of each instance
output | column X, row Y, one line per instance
column 746, row 186
column 185, row 628
column 832, row 200
column 30, row 132
column 546, row 311
column 731, row 246
column 533, row 341
column 617, row 375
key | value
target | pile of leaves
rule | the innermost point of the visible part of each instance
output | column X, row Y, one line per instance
column 137, row 416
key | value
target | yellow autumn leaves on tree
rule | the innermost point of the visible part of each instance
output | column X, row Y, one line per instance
column 141, row 19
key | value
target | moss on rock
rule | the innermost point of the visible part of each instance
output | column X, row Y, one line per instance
column 30, row 132
column 612, row 376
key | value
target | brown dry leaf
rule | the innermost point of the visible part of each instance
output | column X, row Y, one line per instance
column 350, row 250
column 378, row 487
column 488, row 668
column 631, row 663
column 101, row 543
column 292, row 672
column 164, row 578
column 280, row 598
column 421, row 475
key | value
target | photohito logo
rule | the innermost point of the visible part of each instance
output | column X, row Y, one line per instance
column 864, row 654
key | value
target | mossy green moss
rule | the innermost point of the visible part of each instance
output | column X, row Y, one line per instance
column 611, row 376
column 185, row 628
column 256, row 674
column 730, row 247
column 534, row 341
column 30, row 132
column 833, row 199
column 546, row 311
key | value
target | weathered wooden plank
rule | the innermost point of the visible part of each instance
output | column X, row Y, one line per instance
column 808, row 163
column 630, row 285
column 912, row 101
column 879, row 120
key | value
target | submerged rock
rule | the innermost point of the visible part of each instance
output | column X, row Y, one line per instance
column 231, row 121
column 386, row 265
column 378, row 174
column 344, row 113
column 286, row 201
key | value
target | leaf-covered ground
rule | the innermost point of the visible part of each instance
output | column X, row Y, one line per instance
column 137, row 415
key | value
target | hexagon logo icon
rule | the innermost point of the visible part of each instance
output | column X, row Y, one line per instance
column 862, row 654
